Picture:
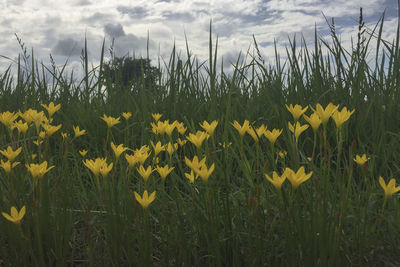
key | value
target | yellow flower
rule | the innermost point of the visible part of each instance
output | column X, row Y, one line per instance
column 83, row 152
column 157, row 147
column 95, row 165
column 131, row 159
column 38, row 142
column 181, row 128
column 164, row 171
column 78, row 132
column 282, row 154
column 242, row 129
column 191, row 177
column 272, row 136
column 126, row 115
column 111, row 121
column 204, row 172
column 257, row 133
column 42, row 134
column 390, row 188
column 7, row 166
column 22, row 127
column 105, row 169
column 8, row 118
column 296, row 111
column 15, row 216
column 181, row 142
column 198, row 138
column 276, row 180
column 142, row 154
column 118, row 150
column 51, row 129
column 224, row 145
column 297, row 178
column 195, row 164
column 209, row 128
column 156, row 116
column 145, row 173
column 36, row 117
column 38, row 170
column 159, row 128
column 313, row 120
column 341, row 116
column 361, row 160
column 171, row 148
column 64, row 135
column 11, row 154
column 297, row 129
column 169, row 128
column 51, row 109
column 146, row 200
column 325, row 114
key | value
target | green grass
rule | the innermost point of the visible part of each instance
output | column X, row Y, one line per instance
column 238, row 218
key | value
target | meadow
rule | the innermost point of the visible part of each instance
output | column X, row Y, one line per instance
column 289, row 164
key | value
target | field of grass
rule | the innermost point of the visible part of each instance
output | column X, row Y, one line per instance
column 226, row 207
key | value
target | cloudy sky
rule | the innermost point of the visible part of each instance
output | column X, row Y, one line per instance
column 59, row 27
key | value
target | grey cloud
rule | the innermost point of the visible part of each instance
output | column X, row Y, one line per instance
column 114, row 30
column 15, row 2
column 131, row 43
column 83, row 3
column 180, row 16
column 97, row 17
column 133, row 12
column 67, row 47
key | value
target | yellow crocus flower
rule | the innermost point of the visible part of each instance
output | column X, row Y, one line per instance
column 164, row 171
column 95, row 165
column 78, row 132
column 242, row 129
column 209, row 128
column 198, row 138
column 51, row 108
column 361, row 160
column 118, row 150
column 389, row 188
column 145, row 173
column 297, row 178
column 15, row 216
column 105, row 169
column 22, row 127
column 157, row 147
column 257, row 133
column 10, row 153
column 313, row 120
column 126, row 115
column 38, row 170
column 8, row 118
column 297, row 129
column 195, row 164
column 51, row 129
column 276, row 180
column 131, row 159
column 296, row 111
column 272, row 135
column 83, row 152
column 204, row 172
column 325, row 114
column 181, row 128
column 110, row 121
column 156, row 116
column 191, row 176
column 8, row 165
column 341, row 116
column 171, row 148
column 146, row 200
